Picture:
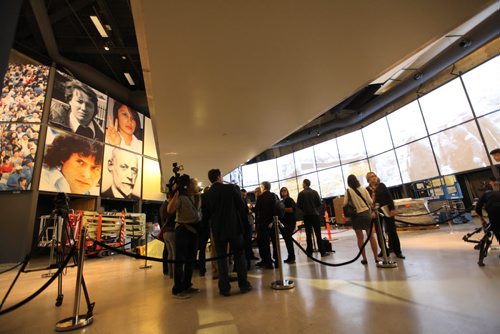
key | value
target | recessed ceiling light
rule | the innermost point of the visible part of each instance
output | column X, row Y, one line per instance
column 99, row 26
column 106, row 47
column 129, row 79
column 124, row 57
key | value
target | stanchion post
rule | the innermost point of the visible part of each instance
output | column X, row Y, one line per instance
column 146, row 266
column 77, row 320
column 386, row 262
column 281, row 284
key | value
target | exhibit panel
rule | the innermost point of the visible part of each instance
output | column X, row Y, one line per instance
column 482, row 84
column 331, row 182
column 490, row 127
column 23, row 93
column 151, row 181
column 71, row 163
column 351, row 147
column 399, row 121
column 445, row 106
column 304, row 161
column 386, row 167
column 359, row 169
column 77, row 107
column 268, row 170
column 121, row 177
column 377, row 137
column 416, row 161
column 149, row 139
column 327, row 154
column 286, row 166
column 124, row 127
column 459, row 149
column 250, row 175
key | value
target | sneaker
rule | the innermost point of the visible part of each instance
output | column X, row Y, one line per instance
column 181, row 295
column 192, row 290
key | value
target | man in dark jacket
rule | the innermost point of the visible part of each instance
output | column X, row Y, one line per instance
column 264, row 212
column 310, row 204
column 223, row 207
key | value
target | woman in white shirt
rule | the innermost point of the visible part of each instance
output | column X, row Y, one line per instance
column 125, row 131
column 362, row 201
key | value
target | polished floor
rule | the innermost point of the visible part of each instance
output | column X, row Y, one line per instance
column 439, row 288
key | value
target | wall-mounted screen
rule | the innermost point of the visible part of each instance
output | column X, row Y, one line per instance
column 331, row 182
column 416, row 161
column 121, row 177
column 250, row 175
column 351, row 147
column 385, row 166
column 23, row 93
column 459, row 149
column 445, row 106
column 377, row 137
column 304, row 161
column 268, row 170
column 235, row 176
column 124, row 127
column 71, row 164
column 359, row 168
column 291, row 185
column 406, row 124
column 482, row 84
column 286, row 166
column 149, row 139
column 151, row 181
column 18, row 147
column 77, row 107
column 327, row 154
column 490, row 126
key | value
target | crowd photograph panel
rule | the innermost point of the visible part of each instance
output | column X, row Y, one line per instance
column 124, row 127
column 71, row 164
column 77, row 107
column 121, row 177
column 23, row 93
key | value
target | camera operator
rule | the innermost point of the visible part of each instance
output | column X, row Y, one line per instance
column 186, row 204
column 490, row 200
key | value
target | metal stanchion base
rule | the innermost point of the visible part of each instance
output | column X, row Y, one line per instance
column 283, row 285
column 70, row 323
column 388, row 264
column 146, row 267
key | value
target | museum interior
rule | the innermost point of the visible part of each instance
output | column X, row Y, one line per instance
column 105, row 105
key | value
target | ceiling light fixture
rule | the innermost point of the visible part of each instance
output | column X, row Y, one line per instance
column 106, row 47
column 99, row 26
column 129, row 79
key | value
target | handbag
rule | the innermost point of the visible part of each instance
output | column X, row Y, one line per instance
column 349, row 208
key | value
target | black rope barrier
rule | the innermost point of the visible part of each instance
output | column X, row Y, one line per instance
column 417, row 224
column 155, row 259
column 336, row 264
column 45, row 286
column 422, row 214
column 11, row 268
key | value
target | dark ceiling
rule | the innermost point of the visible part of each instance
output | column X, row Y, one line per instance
column 78, row 39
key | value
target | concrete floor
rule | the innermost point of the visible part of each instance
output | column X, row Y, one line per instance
column 439, row 288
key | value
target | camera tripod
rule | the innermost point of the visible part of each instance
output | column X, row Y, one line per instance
column 483, row 244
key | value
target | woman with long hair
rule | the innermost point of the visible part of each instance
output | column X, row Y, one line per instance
column 289, row 223
column 362, row 201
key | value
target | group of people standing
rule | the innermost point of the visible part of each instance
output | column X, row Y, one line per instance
column 222, row 214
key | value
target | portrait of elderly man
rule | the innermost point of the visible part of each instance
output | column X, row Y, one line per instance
column 123, row 170
column 72, row 164
column 77, row 110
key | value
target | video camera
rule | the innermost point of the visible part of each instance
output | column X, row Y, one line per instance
column 176, row 168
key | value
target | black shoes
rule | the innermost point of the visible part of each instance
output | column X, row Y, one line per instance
column 401, row 256
column 289, row 261
column 325, row 254
column 225, row 293
column 263, row 264
column 246, row 288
